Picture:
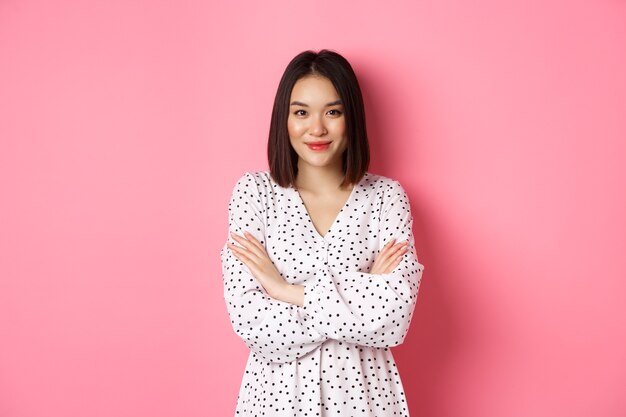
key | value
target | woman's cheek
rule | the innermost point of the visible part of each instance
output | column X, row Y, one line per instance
column 294, row 128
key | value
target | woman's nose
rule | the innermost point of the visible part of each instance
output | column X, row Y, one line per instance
column 317, row 126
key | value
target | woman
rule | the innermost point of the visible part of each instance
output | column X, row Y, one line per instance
column 320, row 271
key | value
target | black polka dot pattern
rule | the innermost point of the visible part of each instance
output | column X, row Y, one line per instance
column 331, row 356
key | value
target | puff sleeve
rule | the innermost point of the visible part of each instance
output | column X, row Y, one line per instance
column 370, row 309
column 275, row 330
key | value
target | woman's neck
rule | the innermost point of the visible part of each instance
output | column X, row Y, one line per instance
column 319, row 180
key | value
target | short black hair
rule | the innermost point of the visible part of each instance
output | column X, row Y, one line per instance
column 282, row 158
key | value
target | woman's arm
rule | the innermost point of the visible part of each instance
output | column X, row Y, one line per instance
column 370, row 309
column 253, row 254
column 275, row 330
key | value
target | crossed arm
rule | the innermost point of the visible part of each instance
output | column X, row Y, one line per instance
column 253, row 255
column 282, row 322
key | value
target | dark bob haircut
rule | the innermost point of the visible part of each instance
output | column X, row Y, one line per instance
column 283, row 159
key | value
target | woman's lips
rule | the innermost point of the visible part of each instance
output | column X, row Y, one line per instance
column 318, row 146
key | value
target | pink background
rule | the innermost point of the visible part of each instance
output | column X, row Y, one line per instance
column 125, row 124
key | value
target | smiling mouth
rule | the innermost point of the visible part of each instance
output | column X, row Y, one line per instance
column 318, row 146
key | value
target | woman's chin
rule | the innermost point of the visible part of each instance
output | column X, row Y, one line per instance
column 318, row 162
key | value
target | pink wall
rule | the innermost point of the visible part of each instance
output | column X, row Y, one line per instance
column 124, row 125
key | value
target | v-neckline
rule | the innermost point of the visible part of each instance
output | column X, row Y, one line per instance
column 343, row 208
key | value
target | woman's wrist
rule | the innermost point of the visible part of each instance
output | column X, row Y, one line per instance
column 292, row 294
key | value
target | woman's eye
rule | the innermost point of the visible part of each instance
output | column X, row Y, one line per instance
column 336, row 112
column 297, row 112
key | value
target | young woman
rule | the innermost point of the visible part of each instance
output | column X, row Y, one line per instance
column 320, row 271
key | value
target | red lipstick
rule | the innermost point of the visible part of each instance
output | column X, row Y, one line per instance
column 318, row 146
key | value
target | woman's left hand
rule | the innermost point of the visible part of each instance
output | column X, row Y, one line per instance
column 254, row 256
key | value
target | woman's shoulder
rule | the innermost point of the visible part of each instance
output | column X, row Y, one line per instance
column 258, row 182
column 388, row 191
column 382, row 183
column 260, row 177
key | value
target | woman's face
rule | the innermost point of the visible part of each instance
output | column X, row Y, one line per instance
column 316, row 122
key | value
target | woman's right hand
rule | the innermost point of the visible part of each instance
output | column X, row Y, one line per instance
column 389, row 257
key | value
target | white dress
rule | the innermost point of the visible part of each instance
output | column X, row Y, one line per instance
column 330, row 357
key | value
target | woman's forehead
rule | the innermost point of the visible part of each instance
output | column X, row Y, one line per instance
column 314, row 90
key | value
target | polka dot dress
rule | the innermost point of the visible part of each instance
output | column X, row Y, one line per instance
column 331, row 356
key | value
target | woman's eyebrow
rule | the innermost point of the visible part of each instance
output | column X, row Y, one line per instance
column 299, row 103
